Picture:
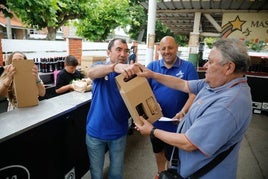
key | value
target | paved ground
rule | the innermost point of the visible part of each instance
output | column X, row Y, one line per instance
column 253, row 159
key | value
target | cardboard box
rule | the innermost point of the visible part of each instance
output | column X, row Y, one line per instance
column 139, row 98
column 24, row 83
column 87, row 61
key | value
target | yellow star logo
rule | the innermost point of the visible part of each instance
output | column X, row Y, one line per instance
column 237, row 24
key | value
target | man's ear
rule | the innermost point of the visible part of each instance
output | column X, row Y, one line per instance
column 108, row 53
column 230, row 68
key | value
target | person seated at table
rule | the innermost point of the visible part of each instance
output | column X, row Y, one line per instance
column 66, row 76
column 8, row 76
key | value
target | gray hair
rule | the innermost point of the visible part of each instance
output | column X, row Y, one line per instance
column 111, row 43
column 233, row 50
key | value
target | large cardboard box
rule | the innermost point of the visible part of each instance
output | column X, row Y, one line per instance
column 87, row 61
column 139, row 98
column 24, row 83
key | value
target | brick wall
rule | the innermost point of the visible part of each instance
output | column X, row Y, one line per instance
column 75, row 48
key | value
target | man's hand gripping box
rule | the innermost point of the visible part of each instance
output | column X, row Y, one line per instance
column 139, row 98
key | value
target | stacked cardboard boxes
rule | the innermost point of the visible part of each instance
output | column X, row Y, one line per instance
column 87, row 61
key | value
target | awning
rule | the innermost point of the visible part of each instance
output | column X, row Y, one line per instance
column 178, row 15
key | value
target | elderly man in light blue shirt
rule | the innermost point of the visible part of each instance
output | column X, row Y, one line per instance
column 219, row 116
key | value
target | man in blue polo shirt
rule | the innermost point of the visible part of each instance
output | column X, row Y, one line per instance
column 107, row 120
column 219, row 116
column 174, row 103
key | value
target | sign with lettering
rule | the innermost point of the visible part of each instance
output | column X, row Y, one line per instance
column 14, row 172
column 251, row 27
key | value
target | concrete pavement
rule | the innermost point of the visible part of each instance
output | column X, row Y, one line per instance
column 253, row 156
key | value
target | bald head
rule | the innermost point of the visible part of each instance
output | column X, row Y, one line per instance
column 168, row 40
column 168, row 49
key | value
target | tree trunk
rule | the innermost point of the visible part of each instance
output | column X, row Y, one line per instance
column 51, row 33
column 9, row 31
column 141, row 34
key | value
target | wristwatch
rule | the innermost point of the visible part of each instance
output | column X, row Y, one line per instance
column 152, row 132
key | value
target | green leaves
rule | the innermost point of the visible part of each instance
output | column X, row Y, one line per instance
column 51, row 14
column 105, row 16
column 94, row 19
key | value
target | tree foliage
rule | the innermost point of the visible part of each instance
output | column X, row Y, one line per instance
column 103, row 18
column 4, row 8
column 50, row 14
column 139, row 24
column 94, row 19
column 209, row 41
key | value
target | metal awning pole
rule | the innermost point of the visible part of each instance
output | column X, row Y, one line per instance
column 151, row 31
